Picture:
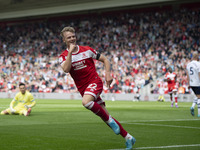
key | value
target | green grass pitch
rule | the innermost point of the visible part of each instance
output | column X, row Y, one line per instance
column 67, row 125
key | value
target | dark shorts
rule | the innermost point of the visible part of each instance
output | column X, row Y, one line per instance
column 196, row 89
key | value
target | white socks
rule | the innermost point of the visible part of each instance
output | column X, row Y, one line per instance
column 128, row 136
column 194, row 102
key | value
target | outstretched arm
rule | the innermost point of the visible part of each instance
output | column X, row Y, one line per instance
column 108, row 76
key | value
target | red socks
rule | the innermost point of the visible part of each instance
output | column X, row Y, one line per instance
column 97, row 109
column 122, row 131
column 176, row 98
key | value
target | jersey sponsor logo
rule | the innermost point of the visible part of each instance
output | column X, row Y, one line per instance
column 21, row 101
column 79, row 65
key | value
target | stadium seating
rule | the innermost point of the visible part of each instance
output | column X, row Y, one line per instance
column 139, row 45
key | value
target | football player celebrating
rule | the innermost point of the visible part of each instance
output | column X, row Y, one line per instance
column 78, row 61
column 22, row 103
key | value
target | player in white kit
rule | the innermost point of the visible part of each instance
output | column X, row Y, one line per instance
column 193, row 76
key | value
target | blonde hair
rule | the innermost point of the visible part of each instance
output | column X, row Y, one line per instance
column 67, row 29
column 195, row 55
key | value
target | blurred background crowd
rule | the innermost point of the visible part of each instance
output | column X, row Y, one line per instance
column 140, row 45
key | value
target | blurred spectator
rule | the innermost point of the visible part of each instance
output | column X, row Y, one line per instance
column 140, row 46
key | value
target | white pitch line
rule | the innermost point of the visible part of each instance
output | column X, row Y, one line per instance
column 160, row 147
column 159, row 120
column 162, row 125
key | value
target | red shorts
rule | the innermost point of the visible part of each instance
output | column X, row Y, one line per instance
column 94, row 88
column 172, row 88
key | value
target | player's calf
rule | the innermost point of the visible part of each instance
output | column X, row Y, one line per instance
column 96, row 109
column 99, row 111
column 113, row 125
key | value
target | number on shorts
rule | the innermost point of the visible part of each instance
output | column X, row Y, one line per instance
column 92, row 86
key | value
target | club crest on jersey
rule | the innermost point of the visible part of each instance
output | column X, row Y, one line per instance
column 84, row 55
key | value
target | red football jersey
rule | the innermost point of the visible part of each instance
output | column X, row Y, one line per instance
column 83, row 68
column 172, row 77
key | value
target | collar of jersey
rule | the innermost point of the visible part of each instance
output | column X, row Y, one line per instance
column 77, row 50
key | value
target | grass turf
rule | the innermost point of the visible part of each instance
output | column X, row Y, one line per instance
column 67, row 125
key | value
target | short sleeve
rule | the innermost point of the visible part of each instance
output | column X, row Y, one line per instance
column 94, row 53
column 61, row 59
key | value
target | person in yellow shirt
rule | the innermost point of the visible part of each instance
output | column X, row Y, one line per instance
column 22, row 103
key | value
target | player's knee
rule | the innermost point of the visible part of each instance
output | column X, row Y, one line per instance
column 87, row 104
column 84, row 102
column 198, row 96
column 88, row 101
